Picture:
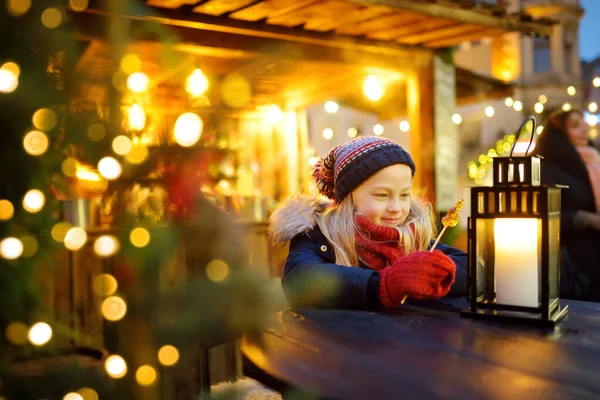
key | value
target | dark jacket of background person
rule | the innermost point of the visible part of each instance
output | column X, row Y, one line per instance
column 580, row 265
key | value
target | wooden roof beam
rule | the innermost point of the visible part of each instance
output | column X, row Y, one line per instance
column 506, row 23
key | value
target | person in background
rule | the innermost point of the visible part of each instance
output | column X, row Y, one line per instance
column 571, row 159
column 366, row 246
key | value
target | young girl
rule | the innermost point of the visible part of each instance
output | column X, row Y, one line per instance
column 366, row 247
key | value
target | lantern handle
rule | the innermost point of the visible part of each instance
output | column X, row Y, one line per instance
column 527, row 119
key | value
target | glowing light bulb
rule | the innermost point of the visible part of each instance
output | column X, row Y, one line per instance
column 457, row 119
column 378, row 129
column 274, row 114
column 40, row 334
column 404, row 126
column 372, row 88
column 331, row 107
column 196, row 83
column 8, row 81
column 11, row 248
column 489, row 111
column 138, row 82
column 109, row 168
column 115, row 366
column 327, row 133
column 188, row 129
column 33, row 201
column 137, row 117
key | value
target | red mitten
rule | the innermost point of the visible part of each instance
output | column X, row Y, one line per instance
column 421, row 275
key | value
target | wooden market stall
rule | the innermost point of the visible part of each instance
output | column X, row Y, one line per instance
column 262, row 62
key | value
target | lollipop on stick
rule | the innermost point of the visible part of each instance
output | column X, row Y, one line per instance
column 451, row 219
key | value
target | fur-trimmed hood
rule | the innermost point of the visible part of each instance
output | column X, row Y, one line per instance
column 295, row 216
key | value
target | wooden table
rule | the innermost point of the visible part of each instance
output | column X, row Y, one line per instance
column 425, row 350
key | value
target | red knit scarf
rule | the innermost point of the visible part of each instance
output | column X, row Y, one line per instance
column 376, row 245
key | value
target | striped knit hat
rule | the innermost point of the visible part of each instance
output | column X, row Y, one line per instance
column 348, row 165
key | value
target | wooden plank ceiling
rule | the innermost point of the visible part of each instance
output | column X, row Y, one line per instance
column 430, row 24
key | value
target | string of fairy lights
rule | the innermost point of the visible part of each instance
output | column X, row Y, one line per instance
column 131, row 147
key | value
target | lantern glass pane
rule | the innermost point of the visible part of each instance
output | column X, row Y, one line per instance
column 485, row 260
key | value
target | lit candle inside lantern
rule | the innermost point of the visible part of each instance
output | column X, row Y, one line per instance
column 516, row 261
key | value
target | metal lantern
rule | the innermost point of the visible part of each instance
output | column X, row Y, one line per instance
column 514, row 243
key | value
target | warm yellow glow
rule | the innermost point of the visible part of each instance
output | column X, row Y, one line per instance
column 404, row 126
column 593, row 133
column 331, row 107
column 40, row 334
column 131, row 63
column 44, row 119
column 328, row 133
column 121, row 145
column 137, row 117
column 75, row 238
column 457, row 119
column 35, row 143
column 30, row 245
column 88, row 393
column 236, row 91
column 51, row 17
column 539, row 130
column 33, row 201
column 508, row 102
column 571, row 90
column 11, row 248
column 8, row 81
column 59, row 231
column 489, row 111
column 521, row 147
column 592, row 120
column 115, row 366
column 188, row 129
column 217, row 270
column 138, row 154
column 312, row 161
column 78, row 5
column 352, row 132
column 138, row 82
column 106, row 245
column 168, row 355
column 18, row 7
column 274, row 114
column 518, row 106
column 593, row 107
column 543, row 99
column 105, row 285
column 516, row 261
column 145, row 375
column 139, row 237
column 96, row 131
column 12, row 67
column 86, row 174
column 566, row 107
column 7, row 210
column 196, row 83
column 73, row 396
column 378, row 129
column 69, row 167
column 16, row 333
column 538, row 107
column 109, row 168
column 372, row 88
column 596, row 81
column 114, row 308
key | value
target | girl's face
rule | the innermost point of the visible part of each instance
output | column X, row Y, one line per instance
column 384, row 198
column 577, row 129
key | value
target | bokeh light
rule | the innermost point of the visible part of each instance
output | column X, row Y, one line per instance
column 138, row 154
column 145, row 375
column 78, row 5
column 109, row 168
column 106, row 245
column 30, row 245
column 489, row 111
column 543, row 99
column 331, row 107
column 9, row 81
column 121, row 145
column 328, row 133
column 115, row 366
column 35, row 143
column 274, row 114
column 7, row 210
column 517, row 106
column 131, row 63
column 236, row 91
column 16, row 333
column 571, row 91
column 566, row 107
column 88, row 393
column 96, row 131
column 139, row 237
column 168, row 355
column 196, row 83
column 51, row 17
column 104, row 285
column 59, row 231
column 457, row 119
column 538, row 107
column 378, row 129
column 137, row 117
column 138, row 82
column 188, row 129
column 372, row 88
column 34, row 200
column 217, row 270
column 16, row 8
column 352, row 132
column 593, row 107
column 312, row 161
column 11, row 248
column 72, row 396
column 114, row 308
column 44, row 119
column 75, row 238
column 404, row 126
column 40, row 334
column 508, row 102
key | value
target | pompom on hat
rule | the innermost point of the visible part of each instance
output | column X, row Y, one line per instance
column 348, row 165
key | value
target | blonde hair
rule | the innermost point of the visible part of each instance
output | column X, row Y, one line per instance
column 337, row 224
